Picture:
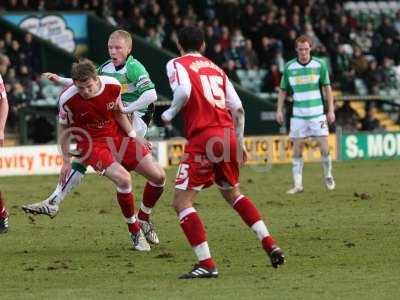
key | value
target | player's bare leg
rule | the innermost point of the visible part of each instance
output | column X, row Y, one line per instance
column 152, row 192
column 50, row 206
column 326, row 162
column 122, row 179
column 194, row 231
column 3, row 215
column 297, row 168
column 252, row 217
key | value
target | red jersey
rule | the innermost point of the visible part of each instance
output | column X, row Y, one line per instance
column 94, row 115
column 206, row 108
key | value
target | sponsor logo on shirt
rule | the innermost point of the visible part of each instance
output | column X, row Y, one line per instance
column 110, row 105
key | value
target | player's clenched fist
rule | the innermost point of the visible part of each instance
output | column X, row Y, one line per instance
column 52, row 77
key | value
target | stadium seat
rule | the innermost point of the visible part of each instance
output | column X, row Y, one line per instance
column 373, row 6
column 383, row 6
column 362, row 6
column 350, row 6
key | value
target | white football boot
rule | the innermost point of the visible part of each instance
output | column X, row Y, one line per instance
column 295, row 190
column 330, row 183
column 41, row 208
column 149, row 232
column 139, row 242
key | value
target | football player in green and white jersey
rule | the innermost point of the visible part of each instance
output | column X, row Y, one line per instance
column 304, row 77
column 138, row 96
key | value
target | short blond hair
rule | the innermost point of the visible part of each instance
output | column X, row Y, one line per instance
column 123, row 34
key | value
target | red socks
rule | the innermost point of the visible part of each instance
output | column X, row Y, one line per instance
column 194, row 231
column 3, row 212
column 247, row 210
column 126, row 202
column 151, row 195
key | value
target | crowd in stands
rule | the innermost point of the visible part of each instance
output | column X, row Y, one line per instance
column 21, row 74
column 253, row 39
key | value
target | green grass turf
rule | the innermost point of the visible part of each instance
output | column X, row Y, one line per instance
column 338, row 246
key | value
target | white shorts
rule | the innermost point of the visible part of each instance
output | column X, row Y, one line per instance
column 300, row 128
column 139, row 125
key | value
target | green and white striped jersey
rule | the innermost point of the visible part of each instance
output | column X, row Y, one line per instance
column 305, row 82
column 133, row 77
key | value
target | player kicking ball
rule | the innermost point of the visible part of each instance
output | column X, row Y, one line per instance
column 304, row 77
column 137, row 95
column 106, row 139
column 212, row 111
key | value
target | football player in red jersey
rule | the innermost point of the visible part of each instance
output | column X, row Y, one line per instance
column 3, row 119
column 214, row 122
column 105, row 139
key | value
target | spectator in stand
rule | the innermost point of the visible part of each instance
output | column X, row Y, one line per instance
column 347, row 117
column 230, row 71
column 209, row 39
column 225, row 39
column 236, row 53
column 389, row 75
column 388, row 49
column 272, row 80
column 370, row 123
column 365, row 39
column 359, row 62
column 217, row 55
column 267, row 52
column 250, row 21
column 153, row 37
column 373, row 77
column 386, row 29
column 250, row 55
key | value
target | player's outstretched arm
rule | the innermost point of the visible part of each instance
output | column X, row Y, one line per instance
column 57, row 79
column 145, row 99
column 181, row 96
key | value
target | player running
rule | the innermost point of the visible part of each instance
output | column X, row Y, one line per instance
column 214, row 123
column 138, row 95
column 304, row 77
column 3, row 118
column 87, row 109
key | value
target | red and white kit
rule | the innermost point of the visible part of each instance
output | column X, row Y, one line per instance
column 103, row 138
column 208, row 123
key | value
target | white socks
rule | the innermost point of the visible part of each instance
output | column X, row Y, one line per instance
column 74, row 179
column 297, row 171
column 327, row 164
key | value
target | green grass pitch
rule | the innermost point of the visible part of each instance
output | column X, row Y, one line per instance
column 337, row 245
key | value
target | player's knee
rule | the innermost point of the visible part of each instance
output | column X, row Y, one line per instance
column 231, row 195
column 159, row 179
column 180, row 203
column 124, row 180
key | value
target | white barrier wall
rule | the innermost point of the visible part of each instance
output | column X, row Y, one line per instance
column 30, row 160
column 46, row 159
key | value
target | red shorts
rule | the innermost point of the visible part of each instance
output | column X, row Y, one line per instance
column 119, row 148
column 207, row 160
